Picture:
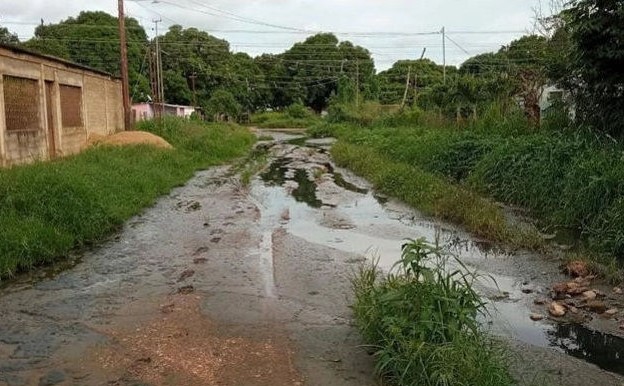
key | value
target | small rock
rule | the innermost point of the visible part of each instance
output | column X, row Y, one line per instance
column 200, row 260
column 188, row 289
column 617, row 291
column 54, row 377
column 285, row 215
column 556, row 309
column 186, row 274
column 536, row 317
column 596, row 306
column 167, row 308
column 215, row 240
column 539, row 302
column 527, row 291
column 589, row 295
column 621, row 326
column 573, row 309
column 577, row 268
column 611, row 312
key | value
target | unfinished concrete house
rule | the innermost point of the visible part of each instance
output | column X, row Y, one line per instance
column 49, row 107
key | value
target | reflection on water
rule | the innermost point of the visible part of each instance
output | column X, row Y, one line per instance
column 601, row 349
column 380, row 232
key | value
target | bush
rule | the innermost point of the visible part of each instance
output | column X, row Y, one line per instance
column 298, row 111
column 423, row 323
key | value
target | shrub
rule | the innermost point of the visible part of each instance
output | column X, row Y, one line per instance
column 422, row 322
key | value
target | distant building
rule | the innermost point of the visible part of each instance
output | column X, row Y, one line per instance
column 145, row 111
column 49, row 107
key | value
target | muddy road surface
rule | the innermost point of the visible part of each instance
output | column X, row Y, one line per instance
column 222, row 284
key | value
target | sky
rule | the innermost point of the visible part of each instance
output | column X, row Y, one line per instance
column 390, row 29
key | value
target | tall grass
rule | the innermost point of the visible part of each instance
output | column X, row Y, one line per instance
column 422, row 323
column 432, row 194
column 566, row 179
column 50, row 208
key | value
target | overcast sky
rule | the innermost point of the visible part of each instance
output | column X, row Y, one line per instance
column 475, row 26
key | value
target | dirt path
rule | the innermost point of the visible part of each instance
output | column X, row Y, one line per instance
column 223, row 285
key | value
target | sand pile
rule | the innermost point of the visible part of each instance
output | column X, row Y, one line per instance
column 130, row 138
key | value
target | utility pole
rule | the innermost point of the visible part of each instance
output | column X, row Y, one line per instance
column 357, row 83
column 407, row 82
column 444, row 52
column 125, row 83
column 160, row 97
column 193, row 76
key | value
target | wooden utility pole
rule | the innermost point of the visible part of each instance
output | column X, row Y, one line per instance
column 357, row 81
column 160, row 93
column 407, row 82
column 125, row 83
column 193, row 76
column 444, row 52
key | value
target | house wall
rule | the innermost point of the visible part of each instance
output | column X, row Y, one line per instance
column 57, row 115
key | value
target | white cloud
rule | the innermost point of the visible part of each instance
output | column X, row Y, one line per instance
column 369, row 16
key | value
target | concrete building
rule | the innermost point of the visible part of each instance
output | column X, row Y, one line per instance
column 49, row 107
column 144, row 111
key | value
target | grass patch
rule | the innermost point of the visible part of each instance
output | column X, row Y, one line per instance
column 432, row 194
column 295, row 116
column 422, row 323
column 279, row 120
column 49, row 209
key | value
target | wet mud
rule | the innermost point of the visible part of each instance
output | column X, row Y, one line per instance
column 221, row 284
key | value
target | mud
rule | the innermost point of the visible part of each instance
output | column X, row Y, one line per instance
column 218, row 284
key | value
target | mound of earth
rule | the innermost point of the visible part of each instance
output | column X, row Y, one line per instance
column 131, row 138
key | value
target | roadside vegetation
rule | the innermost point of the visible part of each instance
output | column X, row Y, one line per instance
column 571, row 181
column 421, row 322
column 49, row 209
column 295, row 116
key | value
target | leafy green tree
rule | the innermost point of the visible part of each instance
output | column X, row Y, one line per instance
column 92, row 39
column 222, row 106
column 423, row 74
column 313, row 68
column 8, row 37
column 191, row 52
column 527, row 66
column 597, row 63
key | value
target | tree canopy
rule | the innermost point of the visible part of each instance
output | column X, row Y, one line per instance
column 92, row 39
column 597, row 63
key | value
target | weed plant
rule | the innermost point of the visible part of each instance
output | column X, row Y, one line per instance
column 421, row 322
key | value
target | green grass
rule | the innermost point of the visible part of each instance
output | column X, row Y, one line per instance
column 432, row 194
column 49, row 209
column 421, row 323
column 295, row 116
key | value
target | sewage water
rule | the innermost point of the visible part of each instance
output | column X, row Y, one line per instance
column 359, row 221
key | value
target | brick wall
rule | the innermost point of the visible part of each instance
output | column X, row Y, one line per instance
column 50, row 108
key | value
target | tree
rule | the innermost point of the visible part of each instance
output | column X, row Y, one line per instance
column 527, row 63
column 92, row 39
column 597, row 63
column 222, row 106
column 7, row 37
column 191, row 52
column 424, row 74
column 313, row 68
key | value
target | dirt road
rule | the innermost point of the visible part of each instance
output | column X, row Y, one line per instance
column 220, row 284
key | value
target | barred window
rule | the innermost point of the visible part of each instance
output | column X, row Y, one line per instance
column 21, row 104
column 71, row 106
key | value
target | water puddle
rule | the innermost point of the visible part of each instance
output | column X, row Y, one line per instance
column 604, row 350
column 361, row 222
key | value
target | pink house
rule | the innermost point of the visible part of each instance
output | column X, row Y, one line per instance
column 145, row 111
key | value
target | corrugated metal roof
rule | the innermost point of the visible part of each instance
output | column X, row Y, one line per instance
column 68, row 63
